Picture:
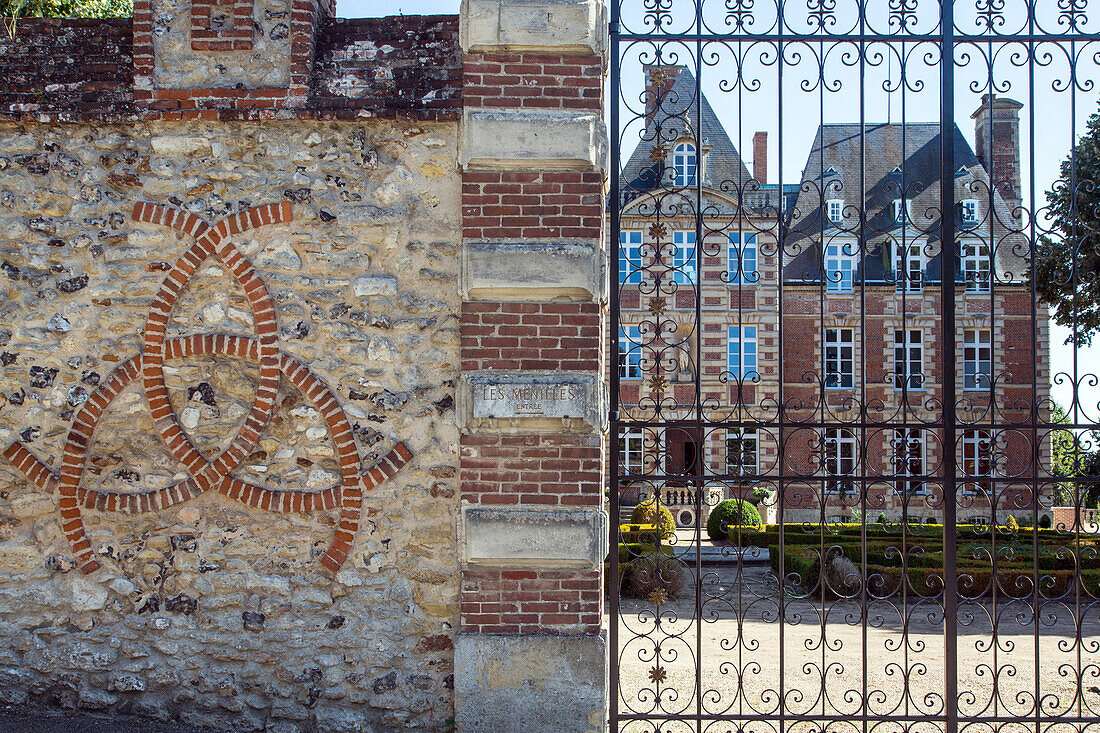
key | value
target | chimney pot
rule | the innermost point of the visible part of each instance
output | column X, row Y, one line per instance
column 760, row 157
column 997, row 138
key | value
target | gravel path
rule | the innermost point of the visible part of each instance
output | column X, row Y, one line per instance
column 902, row 647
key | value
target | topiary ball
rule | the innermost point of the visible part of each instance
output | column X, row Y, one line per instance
column 648, row 512
column 731, row 512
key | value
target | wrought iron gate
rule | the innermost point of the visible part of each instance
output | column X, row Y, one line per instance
column 850, row 497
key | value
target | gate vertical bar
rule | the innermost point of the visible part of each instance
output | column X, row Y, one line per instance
column 698, row 433
column 947, row 315
column 613, row 369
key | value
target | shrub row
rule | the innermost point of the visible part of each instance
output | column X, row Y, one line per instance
column 1015, row 580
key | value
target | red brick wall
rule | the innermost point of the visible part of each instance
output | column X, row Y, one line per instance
column 530, row 469
column 530, row 336
column 531, row 204
column 221, row 26
column 531, row 602
column 548, row 81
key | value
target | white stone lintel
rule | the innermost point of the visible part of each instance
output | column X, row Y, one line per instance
column 533, row 537
column 541, row 271
column 532, row 139
column 562, row 26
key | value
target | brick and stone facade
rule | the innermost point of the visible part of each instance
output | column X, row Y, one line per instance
column 772, row 302
column 530, row 654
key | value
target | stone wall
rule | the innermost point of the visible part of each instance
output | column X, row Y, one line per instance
column 210, row 609
column 263, row 268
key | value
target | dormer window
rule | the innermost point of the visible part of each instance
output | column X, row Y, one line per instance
column 903, row 211
column 830, row 171
column 685, row 163
column 968, row 212
column 835, row 210
column 909, row 267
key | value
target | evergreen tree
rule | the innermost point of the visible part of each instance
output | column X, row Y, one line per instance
column 1074, row 456
column 66, row 8
column 1067, row 264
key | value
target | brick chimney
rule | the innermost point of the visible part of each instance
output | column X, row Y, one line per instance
column 658, row 80
column 760, row 157
column 997, row 132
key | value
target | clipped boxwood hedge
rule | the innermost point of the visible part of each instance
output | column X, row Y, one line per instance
column 729, row 513
column 648, row 512
column 1016, row 573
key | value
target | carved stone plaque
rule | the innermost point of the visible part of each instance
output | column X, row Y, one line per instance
column 530, row 399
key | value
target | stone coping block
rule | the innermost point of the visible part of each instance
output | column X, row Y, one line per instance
column 533, row 272
column 562, row 26
column 532, row 139
column 533, row 537
column 523, row 684
column 531, row 402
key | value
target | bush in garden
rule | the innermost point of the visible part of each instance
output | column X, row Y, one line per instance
column 843, row 576
column 1045, row 522
column 646, row 533
column 731, row 512
column 655, row 571
column 649, row 512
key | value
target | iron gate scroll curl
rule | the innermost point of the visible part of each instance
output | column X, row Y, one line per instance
column 904, row 425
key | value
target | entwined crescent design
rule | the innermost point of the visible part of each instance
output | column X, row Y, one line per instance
column 204, row 474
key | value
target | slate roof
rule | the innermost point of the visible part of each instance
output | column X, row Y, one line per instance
column 681, row 110
column 895, row 161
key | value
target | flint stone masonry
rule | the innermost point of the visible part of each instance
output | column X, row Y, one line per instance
column 212, row 610
column 497, row 138
column 533, row 537
column 70, row 70
column 577, row 26
column 365, row 283
column 265, row 63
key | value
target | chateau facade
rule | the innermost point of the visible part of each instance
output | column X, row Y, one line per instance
column 817, row 335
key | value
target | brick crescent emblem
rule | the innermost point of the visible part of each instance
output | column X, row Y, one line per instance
column 215, row 474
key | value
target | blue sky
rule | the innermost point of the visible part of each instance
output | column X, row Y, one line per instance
column 375, row 8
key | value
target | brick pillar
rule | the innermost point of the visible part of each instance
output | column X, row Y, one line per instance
column 531, row 654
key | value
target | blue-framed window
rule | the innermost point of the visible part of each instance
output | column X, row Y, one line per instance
column 683, row 261
column 977, row 358
column 685, row 164
column 630, row 257
column 976, row 266
column 630, row 352
column 909, row 267
column 839, row 358
column 741, row 353
column 742, row 259
column 840, row 265
column 742, row 452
